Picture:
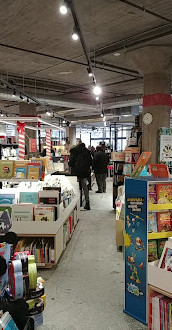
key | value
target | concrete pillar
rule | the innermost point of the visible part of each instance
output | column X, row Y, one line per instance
column 71, row 135
column 29, row 110
column 153, row 62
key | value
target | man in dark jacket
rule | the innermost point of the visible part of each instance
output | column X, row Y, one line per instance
column 100, row 162
column 80, row 161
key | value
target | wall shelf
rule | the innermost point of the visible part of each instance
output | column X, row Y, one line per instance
column 160, row 235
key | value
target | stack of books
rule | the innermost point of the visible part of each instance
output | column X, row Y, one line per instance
column 160, row 316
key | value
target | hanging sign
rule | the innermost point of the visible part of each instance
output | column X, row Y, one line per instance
column 136, row 249
column 32, row 145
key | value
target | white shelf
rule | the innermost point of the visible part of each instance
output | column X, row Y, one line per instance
column 37, row 228
column 18, row 180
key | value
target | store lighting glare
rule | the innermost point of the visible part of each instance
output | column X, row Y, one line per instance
column 97, row 90
column 63, row 8
column 75, row 35
column 48, row 113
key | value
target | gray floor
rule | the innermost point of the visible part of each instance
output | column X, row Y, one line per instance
column 85, row 291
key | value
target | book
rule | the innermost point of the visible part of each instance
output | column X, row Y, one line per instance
column 49, row 197
column 7, row 198
column 5, row 207
column 164, row 193
column 20, row 169
column 44, row 213
column 7, row 323
column 28, row 197
column 161, row 244
column 22, row 212
column 152, row 222
column 152, row 250
column 156, row 317
column 6, row 169
column 33, row 173
column 164, row 221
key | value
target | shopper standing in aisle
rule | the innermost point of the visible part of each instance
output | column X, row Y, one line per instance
column 100, row 162
column 80, row 162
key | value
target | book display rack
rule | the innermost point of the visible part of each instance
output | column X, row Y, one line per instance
column 148, row 205
column 40, row 212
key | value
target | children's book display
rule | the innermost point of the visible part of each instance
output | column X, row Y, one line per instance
column 22, row 297
column 131, row 157
column 33, row 169
column 160, row 305
column 148, row 224
column 165, row 147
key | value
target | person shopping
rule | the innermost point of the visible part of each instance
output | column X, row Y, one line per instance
column 100, row 162
column 80, row 162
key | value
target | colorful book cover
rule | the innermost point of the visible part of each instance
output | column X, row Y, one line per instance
column 152, row 250
column 164, row 221
column 7, row 198
column 6, row 169
column 164, row 193
column 152, row 222
column 127, row 169
column 167, row 260
column 161, row 244
column 44, row 213
column 29, row 197
column 21, row 172
column 3, row 208
column 33, row 173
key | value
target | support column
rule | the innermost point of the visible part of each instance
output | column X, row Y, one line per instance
column 29, row 110
column 71, row 134
column 153, row 62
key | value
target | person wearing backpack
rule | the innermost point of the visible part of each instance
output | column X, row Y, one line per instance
column 80, row 162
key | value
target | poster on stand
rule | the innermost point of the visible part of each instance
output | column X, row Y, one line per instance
column 32, row 145
column 165, row 148
column 136, row 249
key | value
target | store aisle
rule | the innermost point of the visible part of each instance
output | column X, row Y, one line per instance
column 85, row 291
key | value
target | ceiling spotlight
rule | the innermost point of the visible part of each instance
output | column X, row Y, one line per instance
column 90, row 74
column 97, row 90
column 63, row 8
column 75, row 35
column 14, row 93
column 1, row 114
column 64, row 121
column 102, row 114
column 28, row 101
column 104, row 118
column 21, row 97
column 48, row 113
column 97, row 98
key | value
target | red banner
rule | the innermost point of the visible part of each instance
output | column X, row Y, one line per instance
column 157, row 99
column 32, row 145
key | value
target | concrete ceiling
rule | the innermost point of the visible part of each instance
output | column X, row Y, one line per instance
column 38, row 56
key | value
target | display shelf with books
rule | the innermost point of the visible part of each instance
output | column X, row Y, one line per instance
column 38, row 224
column 118, row 177
column 147, row 229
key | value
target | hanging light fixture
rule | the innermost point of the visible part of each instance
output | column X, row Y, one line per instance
column 21, row 97
column 102, row 114
column 90, row 74
column 28, row 101
column 97, row 98
column 14, row 93
column 63, row 8
column 48, row 113
column 97, row 90
column 104, row 118
column 75, row 35
column 2, row 114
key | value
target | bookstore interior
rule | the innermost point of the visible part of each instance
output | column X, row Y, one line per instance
column 46, row 109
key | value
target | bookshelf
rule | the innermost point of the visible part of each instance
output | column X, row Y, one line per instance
column 160, row 207
column 137, row 238
column 51, row 230
column 159, row 235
